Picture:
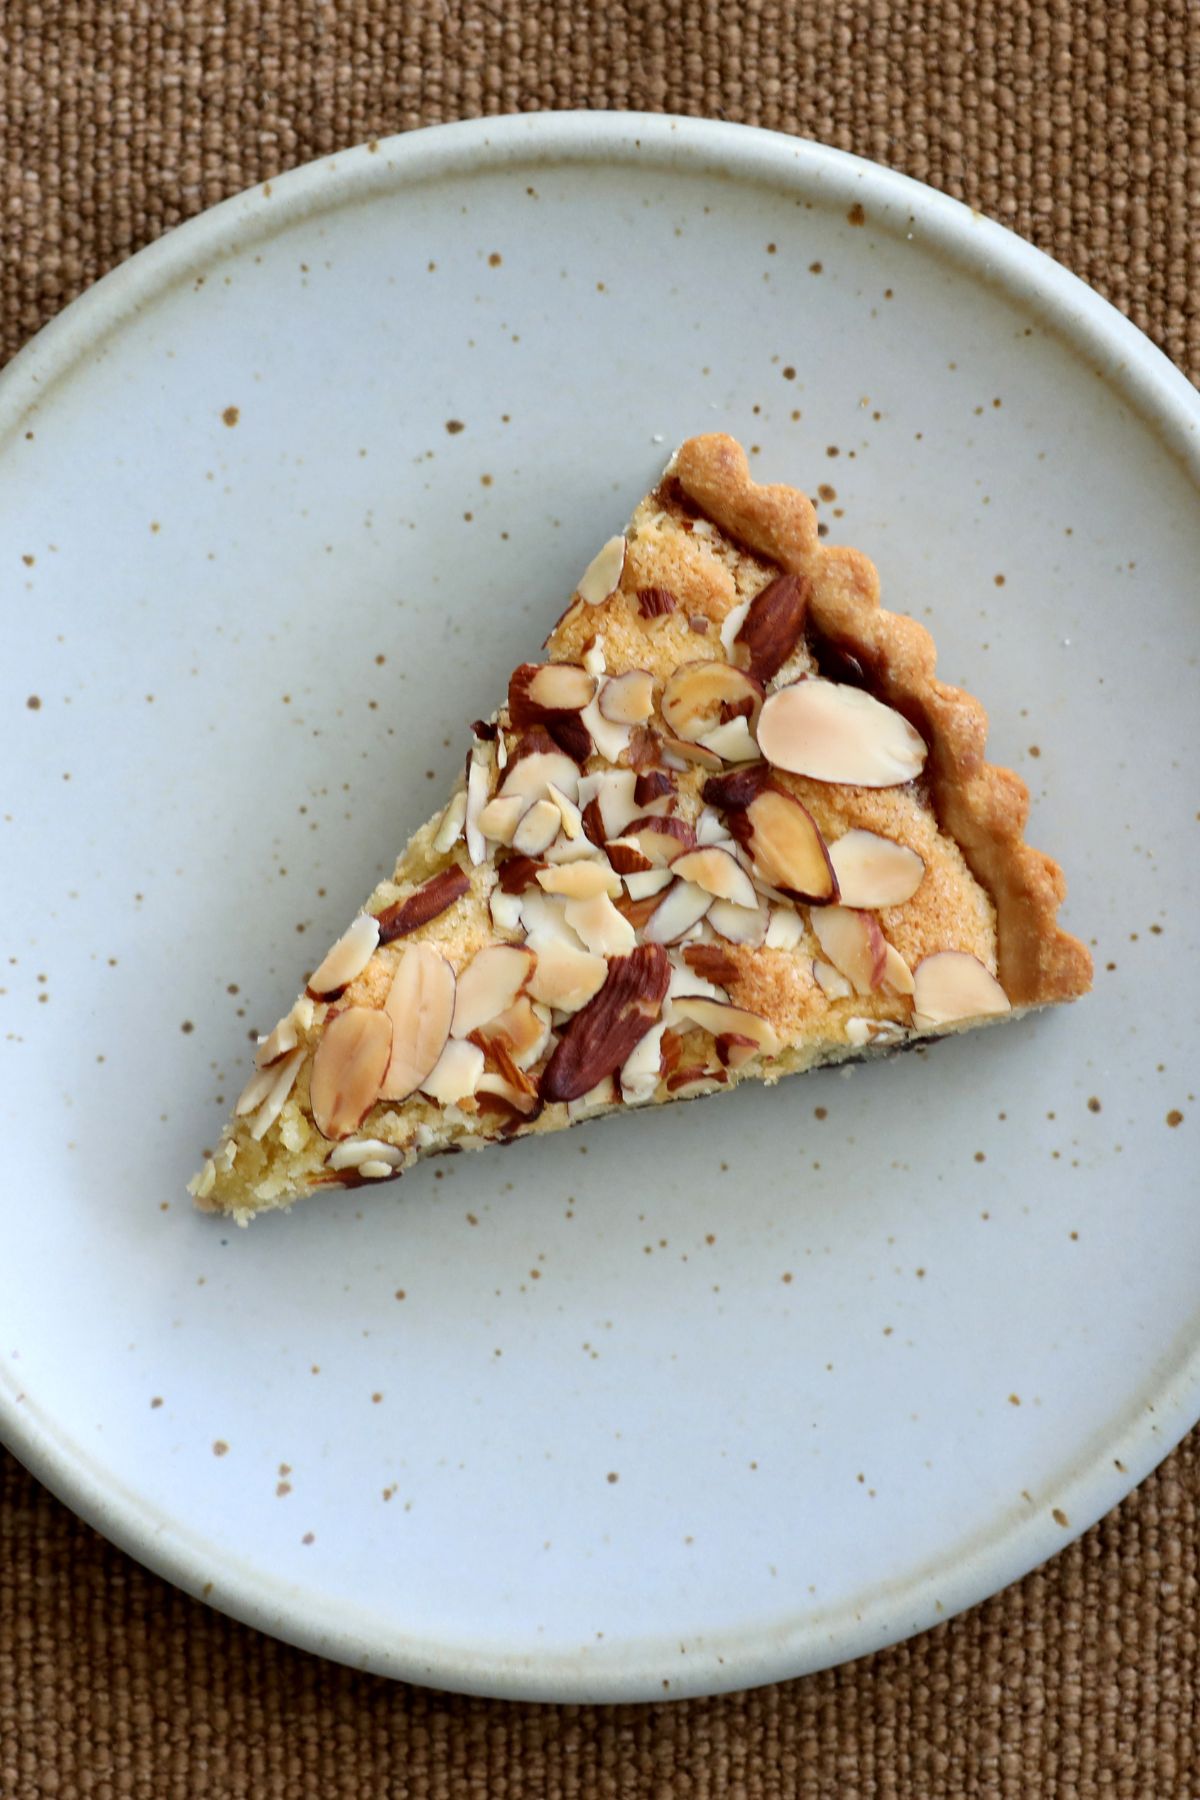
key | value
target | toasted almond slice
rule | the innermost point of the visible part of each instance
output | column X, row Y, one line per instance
column 517, row 1096
column 565, row 978
column 489, row 984
column 479, row 781
column 600, row 926
column 733, row 742
column 501, row 816
column 434, row 897
column 347, row 1069
column 538, row 828
column 626, row 856
column 787, row 849
column 732, row 625
column 704, row 972
column 683, row 905
column 284, row 1037
column 897, row 976
column 660, row 840
column 642, row 1069
column 543, row 917
column 603, row 1034
column 679, row 753
column 641, row 883
column 353, row 1153
column 580, row 880
column 734, row 1050
column 524, row 1028
column 593, row 657
column 719, row 1017
column 538, row 692
column 873, row 870
column 347, row 958
column 831, row 732
column 283, row 1075
column 451, row 827
column 531, row 777
column 456, row 1073
column 702, row 695
column 689, row 1083
column 603, row 574
column 627, row 699
column 772, row 628
column 853, row 943
column 738, row 924
column 611, row 739
column 710, row 828
column 612, row 790
column 569, row 816
column 785, row 931
column 716, row 871
column 597, row 1099
column 505, row 910
column 420, row 1004
column 861, row 1032
column 255, row 1091
column 831, row 981
column 951, row 985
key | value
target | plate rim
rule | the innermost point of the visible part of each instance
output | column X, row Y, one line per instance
column 1122, row 356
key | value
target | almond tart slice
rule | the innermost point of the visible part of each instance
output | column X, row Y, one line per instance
column 729, row 826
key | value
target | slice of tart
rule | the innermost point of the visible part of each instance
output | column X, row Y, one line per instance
column 730, row 828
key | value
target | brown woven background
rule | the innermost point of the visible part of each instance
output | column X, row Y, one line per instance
column 1069, row 122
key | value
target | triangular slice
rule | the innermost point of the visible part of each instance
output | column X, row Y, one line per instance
column 730, row 827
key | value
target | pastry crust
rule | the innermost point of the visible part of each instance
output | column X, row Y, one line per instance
column 983, row 807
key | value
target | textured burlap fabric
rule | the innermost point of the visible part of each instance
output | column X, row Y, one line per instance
column 1071, row 123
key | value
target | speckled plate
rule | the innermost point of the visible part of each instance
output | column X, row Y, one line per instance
column 677, row 1403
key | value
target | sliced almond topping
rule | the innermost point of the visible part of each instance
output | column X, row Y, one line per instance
column 733, row 742
column 489, row 984
column 678, row 753
column 831, row 981
column 283, row 1078
column 785, row 929
column 660, row 840
column 516, row 1093
column 732, row 625
column 347, row 1069
column 530, row 777
column 835, row 733
column 599, row 926
column 539, row 692
column 951, row 985
column 255, row 1091
column 569, row 816
column 420, row 1004
column 601, row 1037
column 689, row 1083
column 596, row 1100
column 734, row 1050
column 538, row 828
column 788, row 851
column 543, row 917
column 348, row 957
column 479, row 781
column 656, row 602
column 772, row 627
column 580, row 880
column 516, row 873
column 593, row 656
column 565, row 978
column 642, row 883
column 284, row 1037
column 505, row 909
column 628, row 699
column 861, row 1032
column 853, row 943
column 456, row 1073
column 612, row 791
column 716, row 871
column 611, row 739
column 524, row 1028
column 653, row 787
column 739, row 924
column 709, row 969
column 626, row 858
column 683, row 905
column 702, row 695
column 427, row 902
column 875, row 871
column 451, row 827
column 897, row 976
column 500, row 817
column 566, row 850
column 353, row 1153
column 734, row 790
column 718, row 1017
column 642, row 1069
column 603, row 574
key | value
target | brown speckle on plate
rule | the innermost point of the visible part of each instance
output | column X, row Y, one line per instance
column 230, row 416
column 1059, row 1517
column 220, row 1447
column 454, row 426
column 1174, row 1117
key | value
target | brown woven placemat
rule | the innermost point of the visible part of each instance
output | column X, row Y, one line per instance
column 1069, row 122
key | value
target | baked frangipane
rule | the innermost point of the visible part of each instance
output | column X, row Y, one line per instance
column 731, row 827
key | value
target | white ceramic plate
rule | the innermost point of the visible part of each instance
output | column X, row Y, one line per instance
column 674, row 1404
